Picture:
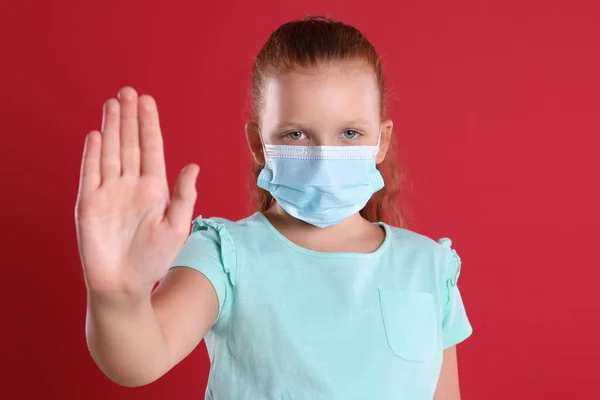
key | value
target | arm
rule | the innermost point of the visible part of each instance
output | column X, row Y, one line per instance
column 136, row 339
column 456, row 326
column 447, row 387
column 129, row 229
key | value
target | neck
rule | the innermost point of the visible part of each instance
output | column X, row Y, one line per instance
column 350, row 224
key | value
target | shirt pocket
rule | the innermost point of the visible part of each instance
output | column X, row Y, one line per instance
column 410, row 323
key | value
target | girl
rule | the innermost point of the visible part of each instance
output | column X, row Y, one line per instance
column 313, row 296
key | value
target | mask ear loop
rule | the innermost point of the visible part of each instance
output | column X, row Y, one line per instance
column 264, row 147
column 378, row 144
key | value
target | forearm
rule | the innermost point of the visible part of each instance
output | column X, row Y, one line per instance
column 125, row 338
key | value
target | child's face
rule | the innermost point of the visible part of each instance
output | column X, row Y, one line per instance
column 329, row 106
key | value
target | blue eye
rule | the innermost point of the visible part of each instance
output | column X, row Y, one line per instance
column 296, row 135
column 353, row 134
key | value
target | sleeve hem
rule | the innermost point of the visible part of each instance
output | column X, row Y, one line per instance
column 457, row 337
column 213, row 278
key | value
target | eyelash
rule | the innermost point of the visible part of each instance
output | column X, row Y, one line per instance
column 347, row 130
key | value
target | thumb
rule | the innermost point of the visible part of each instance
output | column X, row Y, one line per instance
column 181, row 207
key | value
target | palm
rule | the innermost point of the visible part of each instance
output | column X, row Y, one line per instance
column 128, row 230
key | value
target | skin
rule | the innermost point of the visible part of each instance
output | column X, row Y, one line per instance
column 333, row 105
column 128, row 232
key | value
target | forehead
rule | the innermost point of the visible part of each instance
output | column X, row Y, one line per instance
column 325, row 94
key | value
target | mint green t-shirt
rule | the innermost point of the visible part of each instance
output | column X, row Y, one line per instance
column 300, row 324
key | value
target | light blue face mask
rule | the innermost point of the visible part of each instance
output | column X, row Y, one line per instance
column 321, row 185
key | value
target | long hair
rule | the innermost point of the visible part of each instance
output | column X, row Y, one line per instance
column 310, row 42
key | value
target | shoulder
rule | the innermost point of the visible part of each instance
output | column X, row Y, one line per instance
column 223, row 230
column 439, row 253
column 415, row 241
column 218, row 239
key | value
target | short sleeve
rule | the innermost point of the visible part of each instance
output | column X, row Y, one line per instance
column 210, row 250
column 455, row 323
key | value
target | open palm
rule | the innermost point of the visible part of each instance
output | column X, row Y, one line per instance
column 128, row 229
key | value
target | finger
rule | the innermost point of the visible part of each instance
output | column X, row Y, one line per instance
column 152, row 146
column 130, row 143
column 89, row 178
column 110, row 158
column 181, row 208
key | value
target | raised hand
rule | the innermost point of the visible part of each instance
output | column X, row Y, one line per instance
column 128, row 230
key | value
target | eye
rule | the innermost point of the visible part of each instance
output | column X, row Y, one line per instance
column 350, row 134
column 296, row 135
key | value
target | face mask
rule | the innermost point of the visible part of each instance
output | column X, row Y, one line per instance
column 321, row 185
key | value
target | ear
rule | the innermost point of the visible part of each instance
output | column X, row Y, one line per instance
column 254, row 142
column 386, row 136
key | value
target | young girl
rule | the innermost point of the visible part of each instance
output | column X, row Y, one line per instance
column 313, row 296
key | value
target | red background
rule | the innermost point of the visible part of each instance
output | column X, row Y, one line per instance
column 497, row 111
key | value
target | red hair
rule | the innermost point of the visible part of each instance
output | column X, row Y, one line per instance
column 311, row 42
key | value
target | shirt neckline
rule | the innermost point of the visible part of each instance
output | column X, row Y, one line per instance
column 327, row 254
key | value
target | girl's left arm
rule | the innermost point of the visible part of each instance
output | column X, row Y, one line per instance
column 447, row 387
